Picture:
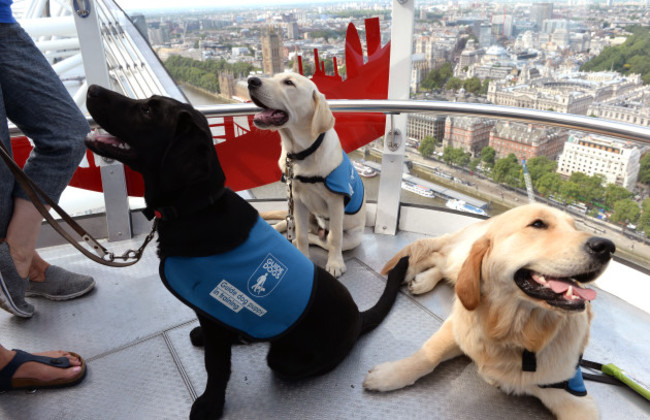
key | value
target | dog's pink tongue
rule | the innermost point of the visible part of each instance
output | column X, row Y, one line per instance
column 268, row 116
column 106, row 138
column 561, row 287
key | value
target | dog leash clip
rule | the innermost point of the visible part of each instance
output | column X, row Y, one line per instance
column 288, row 174
column 291, row 229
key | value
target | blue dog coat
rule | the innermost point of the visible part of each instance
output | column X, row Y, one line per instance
column 260, row 289
column 345, row 180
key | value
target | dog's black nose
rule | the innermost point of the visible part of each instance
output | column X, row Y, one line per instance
column 601, row 248
column 254, row 82
column 94, row 90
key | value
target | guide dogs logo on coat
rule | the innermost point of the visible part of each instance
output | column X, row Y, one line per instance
column 267, row 276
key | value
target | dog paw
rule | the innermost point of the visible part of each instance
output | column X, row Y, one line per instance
column 336, row 267
column 386, row 377
column 420, row 284
column 424, row 282
column 207, row 408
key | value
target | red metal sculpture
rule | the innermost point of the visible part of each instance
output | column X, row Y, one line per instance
column 249, row 156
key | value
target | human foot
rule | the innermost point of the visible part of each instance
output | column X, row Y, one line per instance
column 12, row 286
column 55, row 283
column 41, row 370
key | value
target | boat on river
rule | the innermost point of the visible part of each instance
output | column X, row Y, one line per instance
column 463, row 206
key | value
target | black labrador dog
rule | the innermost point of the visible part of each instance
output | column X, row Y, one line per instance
column 219, row 257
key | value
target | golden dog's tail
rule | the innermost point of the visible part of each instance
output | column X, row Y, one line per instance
column 274, row 215
column 280, row 215
column 417, row 252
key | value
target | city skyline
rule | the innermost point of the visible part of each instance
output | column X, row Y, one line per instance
column 141, row 5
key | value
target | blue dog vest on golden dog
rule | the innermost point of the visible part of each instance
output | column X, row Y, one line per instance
column 345, row 180
column 260, row 289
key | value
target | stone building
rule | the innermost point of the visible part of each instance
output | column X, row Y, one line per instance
column 271, row 51
column 419, row 70
column 570, row 93
column 227, row 84
column 469, row 133
column 592, row 154
column 470, row 55
column 632, row 108
column 526, row 140
column 419, row 126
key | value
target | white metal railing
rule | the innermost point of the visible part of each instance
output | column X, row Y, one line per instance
column 571, row 121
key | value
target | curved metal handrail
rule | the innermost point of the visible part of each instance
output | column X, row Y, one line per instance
column 572, row 121
column 527, row 115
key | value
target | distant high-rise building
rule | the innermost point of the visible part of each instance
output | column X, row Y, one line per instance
column 540, row 12
column 501, row 25
column 551, row 25
column 293, row 31
column 140, row 22
column 271, row 51
column 485, row 35
column 158, row 36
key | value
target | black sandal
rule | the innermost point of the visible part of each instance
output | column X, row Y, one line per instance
column 8, row 383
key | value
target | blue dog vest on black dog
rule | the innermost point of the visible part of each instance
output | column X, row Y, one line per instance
column 346, row 180
column 260, row 289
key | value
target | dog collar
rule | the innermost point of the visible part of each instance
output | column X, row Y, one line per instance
column 176, row 212
column 308, row 151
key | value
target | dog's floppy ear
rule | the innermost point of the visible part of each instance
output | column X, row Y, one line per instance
column 468, row 284
column 323, row 118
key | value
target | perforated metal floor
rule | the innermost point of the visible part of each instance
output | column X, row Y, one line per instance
column 134, row 335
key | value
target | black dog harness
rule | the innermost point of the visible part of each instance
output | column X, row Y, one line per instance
column 574, row 385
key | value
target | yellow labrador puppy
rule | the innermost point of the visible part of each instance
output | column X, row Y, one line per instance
column 522, row 312
column 325, row 183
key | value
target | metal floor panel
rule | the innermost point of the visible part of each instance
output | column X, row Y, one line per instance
column 127, row 305
column 255, row 393
column 138, row 382
column 134, row 335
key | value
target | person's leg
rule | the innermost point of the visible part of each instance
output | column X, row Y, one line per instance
column 12, row 285
column 38, row 103
column 22, row 234
column 6, row 177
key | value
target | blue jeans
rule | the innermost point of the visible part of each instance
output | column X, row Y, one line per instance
column 35, row 100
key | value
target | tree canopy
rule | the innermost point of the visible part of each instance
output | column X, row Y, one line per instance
column 507, row 170
column 579, row 187
column 203, row 74
column 488, row 156
column 632, row 56
column 456, row 156
column 427, row 146
column 644, row 171
column 437, row 78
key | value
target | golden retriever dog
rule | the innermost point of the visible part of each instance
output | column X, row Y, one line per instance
column 325, row 184
column 522, row 313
